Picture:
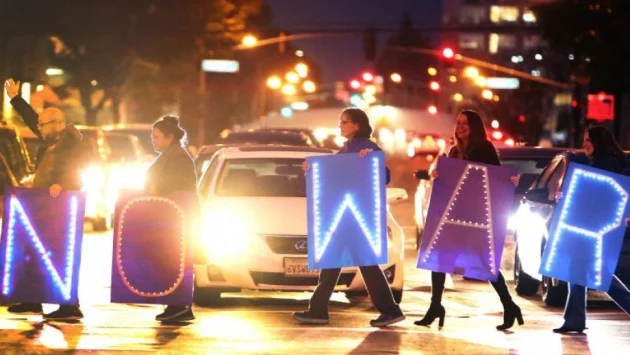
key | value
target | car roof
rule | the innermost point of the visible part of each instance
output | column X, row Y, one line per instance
column 531, row 152
column 271, row 151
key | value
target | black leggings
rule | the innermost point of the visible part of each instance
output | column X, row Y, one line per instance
column 439, row 278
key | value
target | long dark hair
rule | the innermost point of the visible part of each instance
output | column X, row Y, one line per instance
column 477, row 134
column 604, row 142
column 169, row 125
column 359, row 117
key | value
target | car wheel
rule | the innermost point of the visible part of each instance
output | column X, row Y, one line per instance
column 554, row 296
column 525, row 284
column 205, row 297
column 398, row 294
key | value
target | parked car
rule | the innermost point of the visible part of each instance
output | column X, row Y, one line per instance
column 205, row 153
column 141, row 130
column 255, row 226
column 529, row 161
column 532, row 222
column 17, row 156
column 308, row 132
column 266, row 137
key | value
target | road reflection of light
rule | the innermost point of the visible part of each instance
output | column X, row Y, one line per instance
column 225, row 329
column 52, row 338
column 517, row 342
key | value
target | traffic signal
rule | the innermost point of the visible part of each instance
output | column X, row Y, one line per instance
column 448, row 56
column 369, row 43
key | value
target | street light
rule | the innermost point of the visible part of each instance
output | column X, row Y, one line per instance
column 481, row 81
column 302, row 70
column 292, row 77
column 471, row 72
column 274, row 82
column 309, row 86
column 396, row 77
column 249, row 41
column 288, row 89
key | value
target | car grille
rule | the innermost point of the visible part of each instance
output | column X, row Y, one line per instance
column 278, row 278
column 287, row 245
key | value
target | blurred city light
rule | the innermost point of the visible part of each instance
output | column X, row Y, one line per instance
column 274, row 82
column 496, row 98
column 481, row 81
column 452, row 79
column 54, row 71
column 458, row 97
column 299, row 53
column 435, row 86
column 355, row 84
column 494, row 124
column 309, row 86
column 471, row 72
column 368, row 76
column 249, row 41
column 432, row 71
column 299, row 106
column 370, row 89
column 497, row 135
column 288, row 89
column 487, row 94
column 396, row 77
column 432, row 109
column 286, row 112
column 448, row 53
column 292, row 77
column 302, row 70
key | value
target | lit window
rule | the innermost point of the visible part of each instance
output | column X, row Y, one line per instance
column 500, row 14
column 528, row 16
column 471, row 41
column 500, row 42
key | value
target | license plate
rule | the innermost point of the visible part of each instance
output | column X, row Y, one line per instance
column 298, row 267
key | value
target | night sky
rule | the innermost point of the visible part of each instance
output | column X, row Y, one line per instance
column 342, row 57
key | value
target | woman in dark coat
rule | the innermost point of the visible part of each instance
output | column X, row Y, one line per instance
column 355, row 126
column 173, row 170
column 472, row 145
column 604, row 152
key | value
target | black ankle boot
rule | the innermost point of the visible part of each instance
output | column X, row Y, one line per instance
column 511, row 313
column 435, row 311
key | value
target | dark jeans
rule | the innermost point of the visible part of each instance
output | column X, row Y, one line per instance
column 575, row 309
column 375, row 282
column 439, row 278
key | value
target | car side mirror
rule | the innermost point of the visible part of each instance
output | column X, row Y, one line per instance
column 422, row 175
column 540, row 195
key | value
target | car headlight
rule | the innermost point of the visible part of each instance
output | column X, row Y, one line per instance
column 225, row 234
column 93, row 178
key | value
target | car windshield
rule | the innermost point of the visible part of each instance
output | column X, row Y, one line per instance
column 527, row 165
column 269, row 177
column 122, row 147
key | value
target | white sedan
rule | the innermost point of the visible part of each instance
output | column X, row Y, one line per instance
column 255, row 226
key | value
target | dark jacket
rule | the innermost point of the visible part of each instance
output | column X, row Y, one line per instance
column 173, row 170
column 484, row 153
column 62, row 162
column 357, row 144
column 608, row 162
column 29, row 116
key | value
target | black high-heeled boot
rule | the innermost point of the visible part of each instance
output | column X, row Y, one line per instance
column 511, row 313
column 435, row 311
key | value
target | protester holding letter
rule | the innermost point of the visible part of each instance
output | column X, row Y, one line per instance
column 604, row 153
column 59, row 162
column 471, row 145
column 172, row 171
column 355, row 126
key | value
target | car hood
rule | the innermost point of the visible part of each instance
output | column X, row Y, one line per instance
column 260, row 215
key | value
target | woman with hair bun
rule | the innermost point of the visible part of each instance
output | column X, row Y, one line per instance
column 172, row 171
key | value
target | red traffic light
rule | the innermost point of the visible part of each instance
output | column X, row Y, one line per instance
column 448, row 53
column 435, row 86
